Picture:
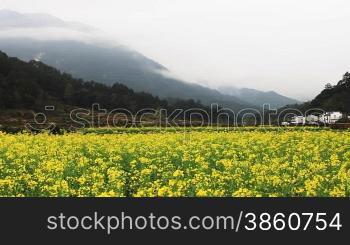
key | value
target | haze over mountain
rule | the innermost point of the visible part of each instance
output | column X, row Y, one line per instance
column 76, row 52
column 258, row 97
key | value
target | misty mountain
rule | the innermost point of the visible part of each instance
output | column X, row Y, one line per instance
column 34, row 85
column 258, row 98
column 114, row 64
column 102, row 62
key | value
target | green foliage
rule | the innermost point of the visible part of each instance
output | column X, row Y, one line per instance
column 334, row 98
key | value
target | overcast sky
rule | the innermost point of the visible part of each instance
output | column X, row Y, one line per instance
column 291, row 46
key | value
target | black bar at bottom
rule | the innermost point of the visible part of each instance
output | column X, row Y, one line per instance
column 161, row 220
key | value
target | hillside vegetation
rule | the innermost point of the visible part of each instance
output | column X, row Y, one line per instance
column 334, row 97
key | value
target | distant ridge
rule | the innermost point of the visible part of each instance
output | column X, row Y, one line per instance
column 258, row 98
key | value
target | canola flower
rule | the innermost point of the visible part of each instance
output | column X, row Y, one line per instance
column 246, row 163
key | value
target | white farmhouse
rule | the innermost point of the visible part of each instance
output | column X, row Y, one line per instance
column 325, row 118
column 312, row 119
column 330, row 117
column 297, row 120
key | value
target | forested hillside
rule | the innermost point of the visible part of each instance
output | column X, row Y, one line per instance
column 33, row 85
column 334, row 97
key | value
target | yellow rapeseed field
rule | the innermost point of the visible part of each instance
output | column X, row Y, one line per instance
column 168, row 164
